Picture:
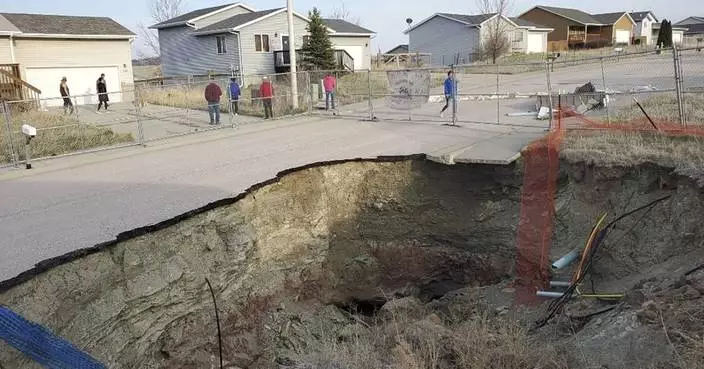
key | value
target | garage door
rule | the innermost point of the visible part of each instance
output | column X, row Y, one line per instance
column 81, row 81
column 623, row 37
column 357, row 53
column 535, row 43
column 677, row 38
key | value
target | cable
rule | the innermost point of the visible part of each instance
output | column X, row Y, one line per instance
column 558, row 304
column 217, row 320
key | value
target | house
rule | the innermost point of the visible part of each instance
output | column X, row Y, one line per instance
column 575, row 28
column 455, row 38
column 400, row 49
column 643, row 33
column 236, row 38
column 678, row 33
column 694, row 34
column 37, row 50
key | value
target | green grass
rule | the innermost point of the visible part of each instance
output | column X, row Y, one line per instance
column 56, row 135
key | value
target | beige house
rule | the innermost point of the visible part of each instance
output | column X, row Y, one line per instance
column 37, row 50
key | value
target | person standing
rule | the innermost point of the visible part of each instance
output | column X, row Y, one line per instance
column 450, row 89
column 102, row 89
column 66, row 95
column 266, row 92
column 234, row 92
column 212, row 96
column 329, row 84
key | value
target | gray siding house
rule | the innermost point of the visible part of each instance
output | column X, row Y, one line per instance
column 455, row 38
column 236, row 38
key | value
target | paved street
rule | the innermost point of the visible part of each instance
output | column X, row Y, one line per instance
column 75, row 202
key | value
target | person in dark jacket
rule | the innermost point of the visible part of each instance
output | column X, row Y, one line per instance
column 450, row 90
column 102, row 89
column 66, row 95
column 212, row 96
column 266, row 92
column 234, row 92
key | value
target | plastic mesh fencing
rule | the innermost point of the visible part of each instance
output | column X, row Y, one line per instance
column 41, row 345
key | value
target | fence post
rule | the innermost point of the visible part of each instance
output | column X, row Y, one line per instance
column 678, row 84
column 309, row 92
column 547, row 72
column 498, row 100
column 8, row 123
column 138, row 111
column 454, row 95
column 606, row 95
column 371, row 105
column 78, row 120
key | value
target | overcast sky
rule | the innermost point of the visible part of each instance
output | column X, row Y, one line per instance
column 386, row 17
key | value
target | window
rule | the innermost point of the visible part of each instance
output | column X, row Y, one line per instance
column 261, row 43
column 306, row 39
column 222, row 44
column 518, row 36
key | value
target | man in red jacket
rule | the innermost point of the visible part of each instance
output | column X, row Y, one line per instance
column 212, row 96
column 266, row 92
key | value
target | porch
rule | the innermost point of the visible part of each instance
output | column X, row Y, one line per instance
column 282, row 60
column 583, row 37
column 13, row 88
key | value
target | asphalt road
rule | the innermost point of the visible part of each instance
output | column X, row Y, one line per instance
column 75, row 202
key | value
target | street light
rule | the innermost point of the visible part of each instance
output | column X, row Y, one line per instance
column 292, row 54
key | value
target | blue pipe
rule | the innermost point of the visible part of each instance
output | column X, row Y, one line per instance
column 566, row 260
column 559, row 284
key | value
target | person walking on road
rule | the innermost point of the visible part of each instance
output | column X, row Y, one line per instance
column 266, row 92
column 212, row 96
column 66, row 95
column 329, row 84
column 102, row 89
column 234, row 94
column 450, row 89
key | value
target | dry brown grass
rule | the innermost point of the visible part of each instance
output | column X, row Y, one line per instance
column 56, row 135
column 192, row 97
column 662, row 107
column 422, row 340
column 685, row 154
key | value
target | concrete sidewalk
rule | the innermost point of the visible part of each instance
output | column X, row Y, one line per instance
column 75, row 202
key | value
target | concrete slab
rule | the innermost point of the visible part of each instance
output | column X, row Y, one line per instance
column 74, row 202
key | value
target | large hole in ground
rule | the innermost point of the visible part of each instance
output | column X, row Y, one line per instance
column 327, row 262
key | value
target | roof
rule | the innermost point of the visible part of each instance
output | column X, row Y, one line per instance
column 694, row 29
column 473, row 20
column 235, row 21
column 698, row 19
column 526, row 24
column 343, row 26
column 572, row 14
column 400, row 49
column 639, row 16
column 183, row 18
column 608, row 18
column 66, row 25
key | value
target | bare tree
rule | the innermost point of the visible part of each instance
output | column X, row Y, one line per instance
column 496, row 34
column 343, row 13
column 160, row 11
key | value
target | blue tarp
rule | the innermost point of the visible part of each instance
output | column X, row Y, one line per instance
column 42, row 346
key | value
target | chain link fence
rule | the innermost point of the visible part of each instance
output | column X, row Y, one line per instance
column 662, row 86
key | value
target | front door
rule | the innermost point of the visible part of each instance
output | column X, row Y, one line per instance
column 285, row 44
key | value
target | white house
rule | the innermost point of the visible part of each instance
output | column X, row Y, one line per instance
column 644, row 26
column 455, row 38
column 236, row 38
column 40, row 49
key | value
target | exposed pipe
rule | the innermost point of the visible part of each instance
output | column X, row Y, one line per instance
column 550, row 294
column 566, row 260
column 557, row 284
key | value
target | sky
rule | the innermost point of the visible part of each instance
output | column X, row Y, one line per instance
column 386, row 17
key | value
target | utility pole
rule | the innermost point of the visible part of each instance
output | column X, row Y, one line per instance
column 292, row 54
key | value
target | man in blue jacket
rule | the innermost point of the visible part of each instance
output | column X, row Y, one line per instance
column 234, row 92
column 450, row 89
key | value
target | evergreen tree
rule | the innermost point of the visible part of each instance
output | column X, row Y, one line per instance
column 317, row 51
column 665, row 34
